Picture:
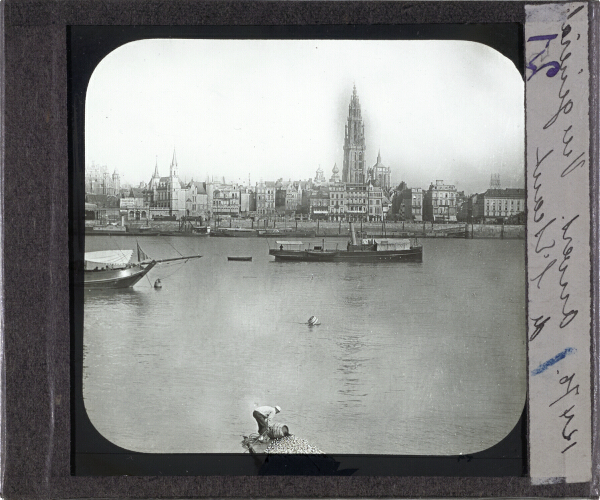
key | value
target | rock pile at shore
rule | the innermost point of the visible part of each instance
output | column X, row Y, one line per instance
column 292, row 444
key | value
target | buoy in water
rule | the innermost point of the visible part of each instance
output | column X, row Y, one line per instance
column 157, row 284
column 313, row 320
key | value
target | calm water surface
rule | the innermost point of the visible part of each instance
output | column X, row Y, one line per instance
column 409, row 358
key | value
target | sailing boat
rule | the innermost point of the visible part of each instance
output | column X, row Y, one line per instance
column 114, row 268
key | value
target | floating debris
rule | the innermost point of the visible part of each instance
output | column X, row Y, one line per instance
column 313, row 321
column 292, row 444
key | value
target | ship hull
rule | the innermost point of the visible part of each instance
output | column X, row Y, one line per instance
column 115, row 278
column 234, row 233
column 412, row 255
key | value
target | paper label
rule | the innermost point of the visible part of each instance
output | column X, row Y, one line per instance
column 558, row 241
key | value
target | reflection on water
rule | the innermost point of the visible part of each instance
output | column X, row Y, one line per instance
column 409, row 358
column 349, row 365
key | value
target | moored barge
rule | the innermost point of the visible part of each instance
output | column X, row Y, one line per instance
column 365, row 250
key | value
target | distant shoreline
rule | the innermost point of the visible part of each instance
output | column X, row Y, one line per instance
column 335, row 229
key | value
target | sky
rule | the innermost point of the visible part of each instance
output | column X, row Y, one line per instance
column 270, row 109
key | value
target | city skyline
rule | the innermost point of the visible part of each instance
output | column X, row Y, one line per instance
column 448, row 110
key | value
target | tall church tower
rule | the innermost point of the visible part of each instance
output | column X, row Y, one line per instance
column 174, row 185
column 354, row 144
column 173, row 171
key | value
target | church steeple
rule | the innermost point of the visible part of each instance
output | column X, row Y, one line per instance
column 156, row 169
column 174, row 172
column 353, row 170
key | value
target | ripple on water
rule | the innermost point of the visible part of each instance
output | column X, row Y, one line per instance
column 431, row 354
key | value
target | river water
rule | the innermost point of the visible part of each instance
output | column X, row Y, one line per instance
column 409, row 358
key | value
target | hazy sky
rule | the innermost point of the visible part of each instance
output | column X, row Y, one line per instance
column 450, row 110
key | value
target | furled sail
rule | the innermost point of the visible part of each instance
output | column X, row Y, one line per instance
column 107, row 258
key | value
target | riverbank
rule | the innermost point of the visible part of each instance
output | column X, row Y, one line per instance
column 342, row 230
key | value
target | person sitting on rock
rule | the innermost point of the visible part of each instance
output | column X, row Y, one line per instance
column 264, row 416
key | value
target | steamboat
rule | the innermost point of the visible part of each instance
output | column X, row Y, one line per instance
column 363, row 250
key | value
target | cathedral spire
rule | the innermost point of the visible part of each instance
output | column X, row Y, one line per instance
column 174, row 172
column 354, row 168
column 156, row 168
column 379, row 156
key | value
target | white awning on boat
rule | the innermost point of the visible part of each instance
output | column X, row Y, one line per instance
column 289, row 243
column 108, row 258
column 391, row 244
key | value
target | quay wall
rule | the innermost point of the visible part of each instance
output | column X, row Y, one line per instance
column 496, row 231
column 391, row 229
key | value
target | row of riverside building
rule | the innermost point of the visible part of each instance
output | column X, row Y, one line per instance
column 311, row 200
column 443, row 203
column 162, row 197
column 360, row 193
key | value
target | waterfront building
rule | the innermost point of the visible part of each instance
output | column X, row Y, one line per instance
column 102, row 207
column 288, row 197
column 337, row 201
column 226, row 201
column 416, row 208
column 439, row 202
column 265, row 198
column 353, row 171
column 464, row 210
column 166, row 195
column 386, row 206
column 98, row 180
column 375, row 202
column 305, row 203
column 496, row 205
column 293, row 197
column 356, row 202
column 473, row 208
column 246, row 201
column 133, row 206
column 280, row 189
column 318, row 204
column 411, row 204
column 396, row 209
column 196, row 202
column 379, row 174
